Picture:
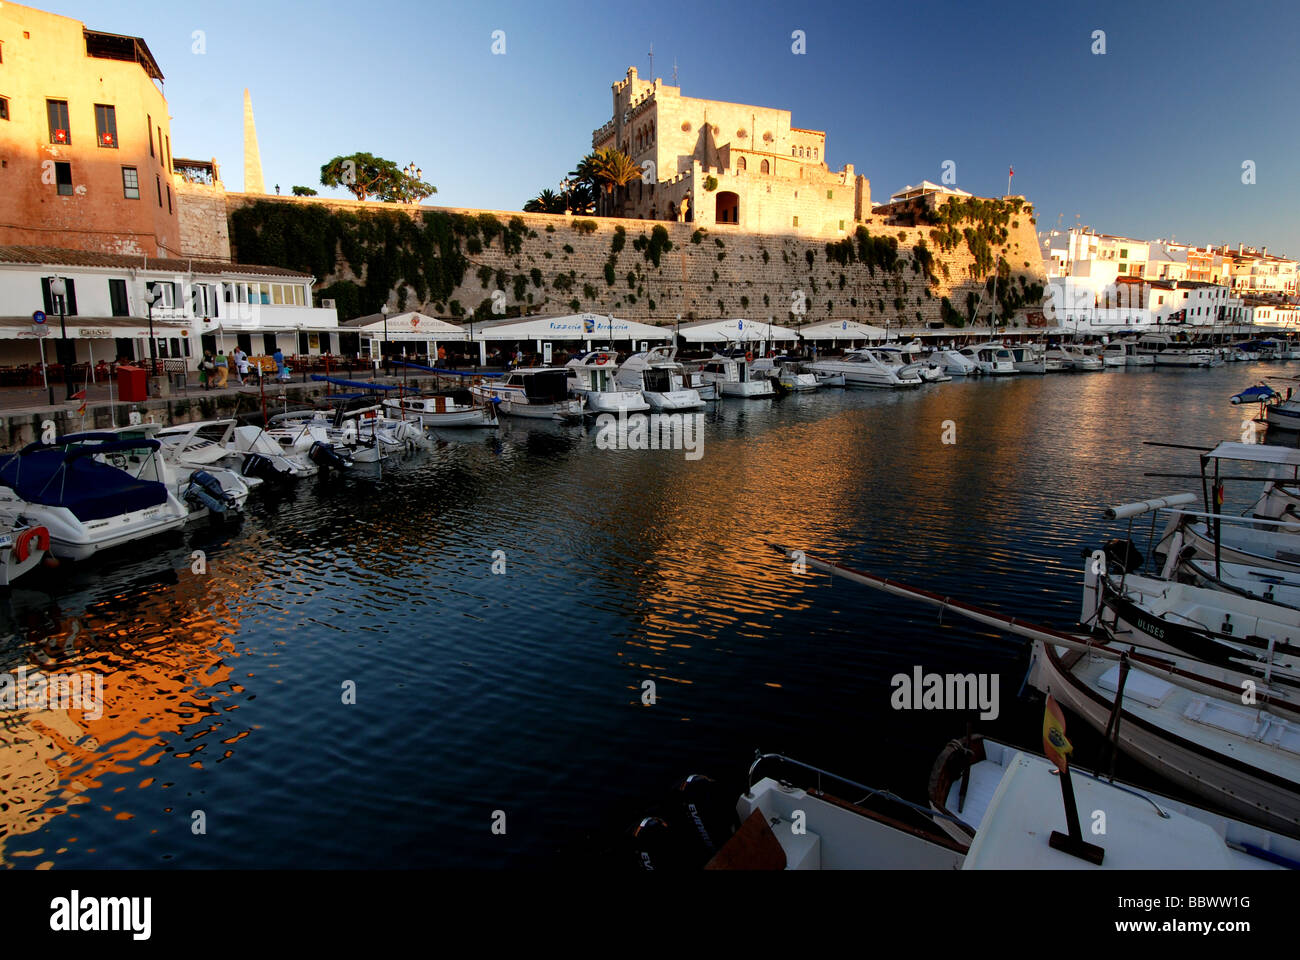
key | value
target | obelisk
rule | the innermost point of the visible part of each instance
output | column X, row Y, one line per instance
column 252, row 158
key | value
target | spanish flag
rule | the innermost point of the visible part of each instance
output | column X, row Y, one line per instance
column 80, row 395
column 1054, row 743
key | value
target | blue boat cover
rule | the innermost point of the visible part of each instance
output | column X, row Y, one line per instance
column 1255, row 394
column 357, row 384
column 90, row 489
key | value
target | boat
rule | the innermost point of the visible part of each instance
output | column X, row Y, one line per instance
column 1260, row 393
column 967, row 783
column 1180, row 717
column 660, row 379
column 593, row 379
column 1185, row 355
column 208, row 490
column 732, row 377
column 992, row 358
column 912, row 355
column 1076, row 359
column 1115, row 354
column 450, row 409
column 248, row 450
column 86, row 505
column 863, row 368
column 1029, row 357
column 785, row 371
column 541, row 393
column 955, row 364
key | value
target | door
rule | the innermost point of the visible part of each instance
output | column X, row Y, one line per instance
column 117, row 298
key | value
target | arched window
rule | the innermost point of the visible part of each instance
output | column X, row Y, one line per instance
column 814, row 153
column 765, row 167
column 801, row 153
column 794, row 151
column 740, row 163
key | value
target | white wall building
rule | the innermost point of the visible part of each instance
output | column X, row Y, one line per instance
column 107, row 311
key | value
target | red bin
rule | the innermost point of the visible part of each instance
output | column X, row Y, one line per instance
column 132, row 385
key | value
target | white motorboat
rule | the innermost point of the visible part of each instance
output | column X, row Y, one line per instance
column 1029, row 357
column 453, row 409
column 593, row 378
column 1166, row 352
column 207, row 489
column 1284, row 415
column 1126, row 353
column 908, row 359
column 660, row 379
column 732, row 377
column 540, row 393
column 956, row 364
column 993, row 358
column 86, row 505
column 863, row 368
column 1075, row 358
column 223, row 443
column 785, row 371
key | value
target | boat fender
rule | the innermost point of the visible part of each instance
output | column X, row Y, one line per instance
column 23, row 543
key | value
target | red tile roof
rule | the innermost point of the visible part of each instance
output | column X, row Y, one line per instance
column 54, row 256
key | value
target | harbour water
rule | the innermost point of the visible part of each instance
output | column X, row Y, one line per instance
column 516, row 696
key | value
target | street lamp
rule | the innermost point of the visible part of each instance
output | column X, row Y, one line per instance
column 384, row 311
column 153, row 295
column 59, row 298
column 413, row 173
column 567, row 185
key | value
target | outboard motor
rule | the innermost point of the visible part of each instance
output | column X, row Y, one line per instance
column 256, row 465
column 324, row 455
column 1125, row 555
column 205, row 490
column 703, row 818
column 657, row 847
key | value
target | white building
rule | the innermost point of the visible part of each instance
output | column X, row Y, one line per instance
column 196, row 305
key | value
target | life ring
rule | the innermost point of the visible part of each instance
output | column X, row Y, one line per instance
column 22, row 545
column 749, row 356
column 602, row 360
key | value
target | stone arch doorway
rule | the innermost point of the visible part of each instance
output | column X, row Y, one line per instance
column 728, row 208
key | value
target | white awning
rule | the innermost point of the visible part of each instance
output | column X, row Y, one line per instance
column 842, row 330
column 406, row 327
column 1256, row 453
column 577, row 326
column 736, row 330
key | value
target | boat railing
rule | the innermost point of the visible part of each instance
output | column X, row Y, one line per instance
column 761, row 758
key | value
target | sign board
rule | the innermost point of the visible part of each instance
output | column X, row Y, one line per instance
column 38, row 316
column 546, row 354
column 40, row 330
column 94, row 333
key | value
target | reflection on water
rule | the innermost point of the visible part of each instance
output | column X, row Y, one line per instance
column 227, row 735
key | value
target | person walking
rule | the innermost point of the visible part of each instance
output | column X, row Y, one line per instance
column 223, row 370
column 206, row 366
column 241, row 365
column 281, row 369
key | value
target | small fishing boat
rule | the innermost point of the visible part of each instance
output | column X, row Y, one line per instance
column 540, row 393
column 593, row 379
column 452, row 409
column 246, row 450
column 1260, row 393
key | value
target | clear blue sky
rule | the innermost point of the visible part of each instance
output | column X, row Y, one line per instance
column 1146, row 140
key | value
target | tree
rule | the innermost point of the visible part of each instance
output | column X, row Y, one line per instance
column 613, row 170
column 363, row 174
column 548, row 201
column 304, row 192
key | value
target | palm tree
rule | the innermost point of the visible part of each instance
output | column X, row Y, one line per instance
column 548, row 201
column 614, row 170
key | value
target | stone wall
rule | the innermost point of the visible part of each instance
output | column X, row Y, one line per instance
column 727, row 273
column 205, row 230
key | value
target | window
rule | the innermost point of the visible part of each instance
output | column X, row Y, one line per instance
column 796, row 221
column 794, row 151
column 740, row 163
column 268, row 343
column 57, row 111
column 148, row 126
column 169, row 198
column 117, row 298
column 830, row 194
column 159, row 185
column 63, row 177
column 4, row 108
column 167, row 289
column 841, row 226
column 160, row 146
column 131, row 183
column 765, row 167
column 169, row 153
column 1123, row 253
column 106, row 125
column 814, row 153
